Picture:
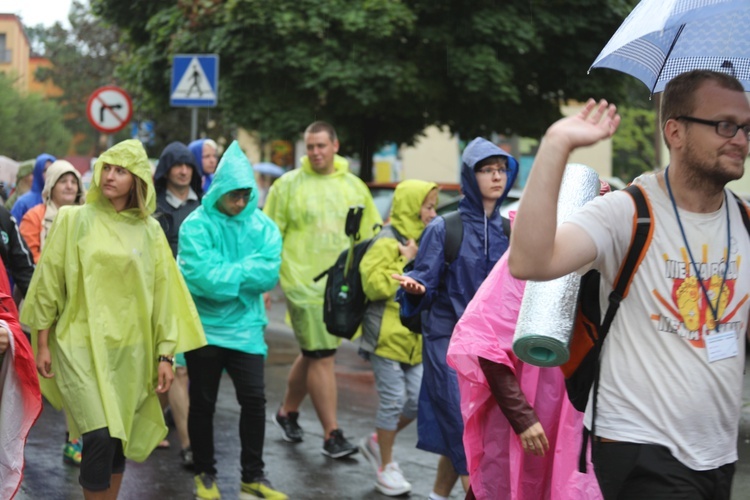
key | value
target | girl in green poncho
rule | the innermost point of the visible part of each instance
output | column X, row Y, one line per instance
column 108, row 303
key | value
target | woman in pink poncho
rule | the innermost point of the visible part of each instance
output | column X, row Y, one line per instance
column 498, row 466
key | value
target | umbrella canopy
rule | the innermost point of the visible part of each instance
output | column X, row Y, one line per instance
column 269, row 169
column 661, row 39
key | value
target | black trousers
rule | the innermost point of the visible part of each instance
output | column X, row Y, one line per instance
column 205, row 366
column 638, row 471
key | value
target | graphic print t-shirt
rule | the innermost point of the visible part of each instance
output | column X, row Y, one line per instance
column 657, row 385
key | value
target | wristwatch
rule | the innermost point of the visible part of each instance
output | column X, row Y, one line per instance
column 167, row 359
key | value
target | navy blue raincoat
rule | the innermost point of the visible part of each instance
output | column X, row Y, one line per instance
column 448, row 291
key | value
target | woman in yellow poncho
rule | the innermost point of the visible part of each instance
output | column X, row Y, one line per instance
column 111, row 309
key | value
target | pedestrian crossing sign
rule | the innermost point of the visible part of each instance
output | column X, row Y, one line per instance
column 195, row 80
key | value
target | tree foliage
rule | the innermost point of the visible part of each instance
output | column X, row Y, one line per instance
column 83, row 59
column 29, row 124
column 379, row 70
column 633, row 144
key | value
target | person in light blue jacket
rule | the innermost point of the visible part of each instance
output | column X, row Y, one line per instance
column 229, row 254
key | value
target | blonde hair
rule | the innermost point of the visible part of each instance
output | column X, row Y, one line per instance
column 137, row 197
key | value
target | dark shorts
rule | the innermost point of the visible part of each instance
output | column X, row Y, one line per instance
column 324, row 353
column 634, row 471
column 101, row 456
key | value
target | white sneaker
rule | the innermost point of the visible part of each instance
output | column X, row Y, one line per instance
column 371, row 450
column 391, row 481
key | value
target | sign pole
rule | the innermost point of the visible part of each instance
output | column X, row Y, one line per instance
column 193, row 124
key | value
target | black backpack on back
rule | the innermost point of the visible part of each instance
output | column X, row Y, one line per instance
column 454, row 235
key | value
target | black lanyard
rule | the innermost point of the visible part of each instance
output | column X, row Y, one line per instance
column 714, row 310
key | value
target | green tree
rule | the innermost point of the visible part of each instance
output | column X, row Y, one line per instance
column 83, row 59
column 633, row 144
column 29, row 124
column 379, row 70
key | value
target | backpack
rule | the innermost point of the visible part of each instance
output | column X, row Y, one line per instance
column 581, row 371
column 454, row 235
column 345, row 301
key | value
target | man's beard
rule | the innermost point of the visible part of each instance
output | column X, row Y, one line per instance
column 707, row 174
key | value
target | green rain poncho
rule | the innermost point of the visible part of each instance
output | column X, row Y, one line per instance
column 310, row 210
column 109, row 289
column 229, row 261
column 383, row 332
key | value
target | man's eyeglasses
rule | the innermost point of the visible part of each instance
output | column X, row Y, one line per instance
column 723, row 128
column 238, row 195
column 492, row 170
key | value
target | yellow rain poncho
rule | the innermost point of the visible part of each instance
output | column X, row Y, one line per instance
column 310, row 210
column 383, row 332
column 109, row 289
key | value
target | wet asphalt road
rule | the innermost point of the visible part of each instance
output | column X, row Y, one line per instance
column 300, row 470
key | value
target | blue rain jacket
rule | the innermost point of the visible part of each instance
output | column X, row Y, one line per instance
column 196, row 147
column 229, row 261
column 29, row 200
column 448, row 291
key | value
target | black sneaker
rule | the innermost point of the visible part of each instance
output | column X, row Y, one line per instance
column 186, row 457
column 290, row 429
column 336, row 446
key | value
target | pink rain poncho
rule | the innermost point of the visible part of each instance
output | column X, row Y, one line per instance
column 498, row 467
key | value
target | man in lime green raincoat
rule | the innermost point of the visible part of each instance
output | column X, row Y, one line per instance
column 109, row 291
column 310, row 206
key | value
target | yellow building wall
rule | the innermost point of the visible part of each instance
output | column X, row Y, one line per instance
column 47, row 89
column 434, row 157
column 18, row 49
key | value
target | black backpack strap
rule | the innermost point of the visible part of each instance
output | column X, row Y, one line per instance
column 506, row 226
column 643, row 231
column 454, row 234
column 743, row 211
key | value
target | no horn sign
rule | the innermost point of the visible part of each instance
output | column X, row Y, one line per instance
column 109, row 109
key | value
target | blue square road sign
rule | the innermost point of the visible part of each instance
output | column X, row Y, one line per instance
column 195, row 80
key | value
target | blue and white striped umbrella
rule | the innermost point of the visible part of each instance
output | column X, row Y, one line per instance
column 661, row 39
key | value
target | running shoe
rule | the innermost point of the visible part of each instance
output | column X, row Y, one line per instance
column 205, row 487
column 371, row 450
column 260, row 488
column 290, row 429
column 336, row 446
column 72, row 452
column 391, row 481
column 186, row 457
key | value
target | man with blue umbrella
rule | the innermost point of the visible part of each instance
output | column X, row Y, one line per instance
column 671, row 368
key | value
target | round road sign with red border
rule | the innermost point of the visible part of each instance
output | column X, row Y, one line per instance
column 109, row 109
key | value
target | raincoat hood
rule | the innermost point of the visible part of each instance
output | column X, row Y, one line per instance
column 476, row 151
column 196, row 148
column 340, row 165
column 407, row 203
column 233, row 172
column 57, row 170
column 25, row 168
column 131, row 156
column 176, row 153
column 38, row 184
